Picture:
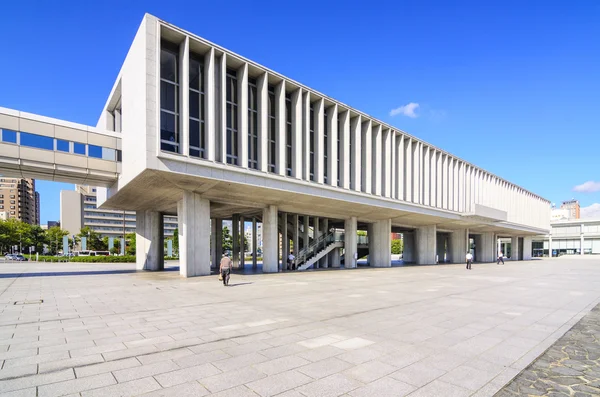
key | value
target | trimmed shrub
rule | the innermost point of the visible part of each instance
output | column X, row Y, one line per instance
column 104, row 259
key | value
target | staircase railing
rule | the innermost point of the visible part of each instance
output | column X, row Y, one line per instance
column 317, row 245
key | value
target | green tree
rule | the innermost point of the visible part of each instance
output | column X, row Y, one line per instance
column 94, row 240
column 131, row 242
column 39, row 238
column 54, row 237
column 397, row 246
column 227, row 239
column 176, row 240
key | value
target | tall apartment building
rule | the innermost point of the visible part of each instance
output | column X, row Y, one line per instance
column 19, row 200
column 78, row 209
column 572, row 206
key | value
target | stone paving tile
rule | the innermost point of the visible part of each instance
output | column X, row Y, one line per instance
column 69, row 363
column 440, row 388
column 227, row 380
column 18, row 372
column 332, row 386
column 187, row 374
column 125, row 375
column 569, row 367
column 76, row 385
column 386, row 387
column 239, row 391
column 32, row 392
column 281, row 364
column 89, row 370
column 132, row 388
column 35, row 380
column 417, row 374
column 189, row 389
column 370, row 371
column 279, row 383
column 324, row 368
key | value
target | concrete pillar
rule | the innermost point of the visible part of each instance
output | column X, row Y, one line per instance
column 270, row 240
column 316, row 235
column 376, row 158
column 371, row 241
column 381, row 255
column 263, row 120
column 324, row 232
column 218, row 241
column 334, row 260
column 149, row 240
column 426, row 245
column 550, row 246
column 487, row 248
column 184, row 77
column 242, row 85
column 242, row 239
column 305, row 237
column 408, row 253
column 254, row 243
column 350, row 242
column 284, row 241
column 514, row 248
column 194, row 236
column 213, row 243
column 528, row 247
column 296, row 235
column 235, row 246
column 459, row 245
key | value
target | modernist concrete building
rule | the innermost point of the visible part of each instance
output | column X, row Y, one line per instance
column 569, row 237
column 78, row 208
column 208, row 135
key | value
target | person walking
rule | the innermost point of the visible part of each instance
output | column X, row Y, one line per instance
column 225, row 268
column 290, row 260
column 469, row 258
column 500, row 258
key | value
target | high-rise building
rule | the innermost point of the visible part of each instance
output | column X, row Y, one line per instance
column 19, row 200
column 78, row 209
column 573, row 207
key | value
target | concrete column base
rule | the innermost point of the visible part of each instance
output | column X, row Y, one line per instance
column 458, row 246
column 514, row 248
column 149, row 230
column 381, row 244
column 528, row 248
column 426, row 245
column 408, row 253
column 487, row 248
column 270, row 240
column 194, row 236
column 350, row 242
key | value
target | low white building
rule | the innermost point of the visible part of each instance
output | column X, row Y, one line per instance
column 569, row 237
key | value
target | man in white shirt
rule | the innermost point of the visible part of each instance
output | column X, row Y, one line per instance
column 500, row 258
column 469, row 258
column 290, row 260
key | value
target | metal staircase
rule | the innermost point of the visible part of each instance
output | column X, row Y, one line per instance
column 318, row 248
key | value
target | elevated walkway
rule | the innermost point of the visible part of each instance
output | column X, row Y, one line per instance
column 33, row 146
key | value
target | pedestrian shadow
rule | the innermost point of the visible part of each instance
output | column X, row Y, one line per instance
column 238, row 284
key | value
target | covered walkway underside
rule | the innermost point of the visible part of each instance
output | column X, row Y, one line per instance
column 320, row 231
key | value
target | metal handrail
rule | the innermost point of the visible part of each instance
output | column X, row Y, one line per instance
column 317, row 245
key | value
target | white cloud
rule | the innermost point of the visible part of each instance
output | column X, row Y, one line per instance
column 588, row 187
column 592, row 211
column 406, row 110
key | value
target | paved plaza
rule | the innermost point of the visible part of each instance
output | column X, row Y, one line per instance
column 106, row 330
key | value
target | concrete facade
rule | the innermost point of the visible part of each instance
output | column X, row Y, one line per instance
column 266, row 147
column 568, row 237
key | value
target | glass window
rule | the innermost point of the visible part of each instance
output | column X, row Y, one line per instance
column 79, row 148
column 95, row 151
column 9, row 136
column 169, row 97
column 232, row 117
column 272, row 130
column 252, row 124
column 62, row 146
column 196, row 121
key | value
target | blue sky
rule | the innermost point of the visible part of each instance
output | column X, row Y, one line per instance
column 511, row 86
